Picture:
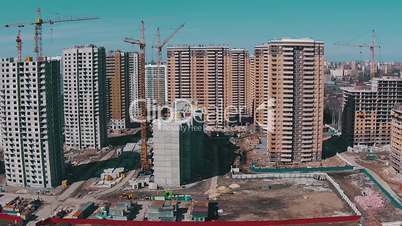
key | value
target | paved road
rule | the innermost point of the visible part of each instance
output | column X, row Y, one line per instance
column 77, row 185
column 212, row 187
column 70, row 190
column 108, row 155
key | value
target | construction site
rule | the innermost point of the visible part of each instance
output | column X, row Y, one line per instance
column 377, row 160
column 107, row 185
column 278, row 198
column 112, row 185
column 186, row 172
column 337, row 191
column 374, row 206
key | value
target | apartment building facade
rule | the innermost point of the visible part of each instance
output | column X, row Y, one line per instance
column 156, row 83
column 395, row 158
column 250, row 88
column 31, row 120
column 85, row 107
column 289, row 83
column 200, row 74
column 117, row 75
column 239, row 77
column 366, row 111
column 133, row 73
column 259, row 72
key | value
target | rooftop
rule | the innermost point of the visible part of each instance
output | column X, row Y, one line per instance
column 90, row 46
column 292, row 41
column 370, row 87
column 358, row 89
column 388, row 78
column 200, row 46
column 296, row 40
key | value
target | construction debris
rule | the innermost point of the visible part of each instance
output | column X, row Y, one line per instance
column 234, row 186
column 140, row 182
column 110, row 177
column 370, row 199
column 22, row 207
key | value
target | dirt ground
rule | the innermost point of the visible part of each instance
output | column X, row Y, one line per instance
column 381, row 167
column 279, row 199
column 353, row 184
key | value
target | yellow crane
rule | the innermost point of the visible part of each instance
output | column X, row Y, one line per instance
column 39, row 22
column 145, row 165
column 373, row 46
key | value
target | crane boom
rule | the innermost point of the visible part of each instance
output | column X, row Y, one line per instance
column 372, row 47
column 16, row 25
column 39, row 21
column 352, row 45
column 132, row 41
column 69, row 19
column 171, row 36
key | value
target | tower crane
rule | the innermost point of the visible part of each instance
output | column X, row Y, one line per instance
column 159, row 47
column 145, row 165
column 39, row 22
column 19, row 46
column 373, row 46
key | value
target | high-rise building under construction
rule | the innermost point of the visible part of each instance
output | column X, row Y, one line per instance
column 133, row 73
column 85, row 107
column 31, row 120
column 155, row 83
column 118, row 89
column 395, row 157
column 366, row 111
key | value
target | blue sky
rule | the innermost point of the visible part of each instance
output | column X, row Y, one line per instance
column 237, row 23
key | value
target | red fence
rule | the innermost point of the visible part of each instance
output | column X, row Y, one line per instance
column 9, row 217
column 351, row 218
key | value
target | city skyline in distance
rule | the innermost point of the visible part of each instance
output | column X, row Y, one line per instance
column 242, row 24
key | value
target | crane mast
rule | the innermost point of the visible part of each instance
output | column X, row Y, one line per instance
column 38, row 33
column 372, row 47
column 19, row 46
column 145, row 165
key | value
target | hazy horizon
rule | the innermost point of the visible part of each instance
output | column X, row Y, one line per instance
column 236, row 23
